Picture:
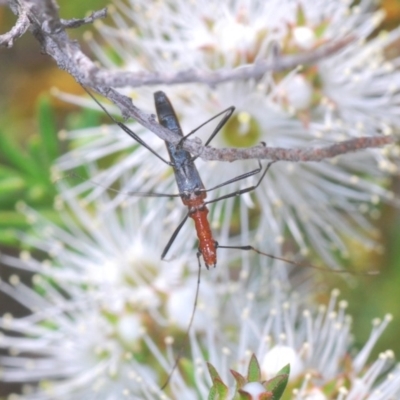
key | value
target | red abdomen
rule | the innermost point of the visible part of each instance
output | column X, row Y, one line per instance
column 207, row 245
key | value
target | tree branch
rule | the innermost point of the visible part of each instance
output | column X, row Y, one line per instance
column 253, row 71
column 49, row 30
column 20, row 27
column 76, row 23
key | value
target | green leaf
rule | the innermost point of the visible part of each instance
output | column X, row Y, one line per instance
column 8, row 238
column 219, row 391
column 11, row 184
column 47, row 129
column 5, row 171
column 212, row 395
column 243, row 395
column 277, row 385
column 36, row 153
column 16, row 157
column 240, row 379
column 301, row 16
column 253, row 372
column 213, row 372
column 222, row 389
column 284, row 370
column 321, row 29
column 12, row 219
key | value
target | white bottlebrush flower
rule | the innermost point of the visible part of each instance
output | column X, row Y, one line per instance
column 103, row 306
column 104, row 311
column 351, row 93
column 104, row 249
column 102, row 302
column 280, row 330
column 106, row 338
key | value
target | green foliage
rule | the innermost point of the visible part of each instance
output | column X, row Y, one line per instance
column 274, row 387
column 277, row 385
column 301, row 17
column 218, row 391
column 254, row 372
column 25, row 174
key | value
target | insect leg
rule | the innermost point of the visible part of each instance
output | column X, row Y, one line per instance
column 228, row 112
column 173, row 237
column 149, row 194
column 134, row 194
column 128, row 131
column 296, row 264
column 223, row 121
column 196, row 299
column 241, row 191
column 237, row 178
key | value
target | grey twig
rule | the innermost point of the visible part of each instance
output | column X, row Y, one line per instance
column 297, row 155
column 20, row 27
column 252, row 71
column 49, row 30
column 76, row 23
column 256, row 152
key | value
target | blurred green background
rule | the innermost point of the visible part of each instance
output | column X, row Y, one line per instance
column 30, row 119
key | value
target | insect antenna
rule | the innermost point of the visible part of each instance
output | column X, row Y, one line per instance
column 300, row 264
column 189, row 327
column 112, row 190
column 128, row 131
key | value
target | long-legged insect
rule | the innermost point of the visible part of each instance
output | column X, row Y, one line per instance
column 191, row 188
column 193, row 193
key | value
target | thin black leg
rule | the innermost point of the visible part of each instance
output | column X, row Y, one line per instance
column 134, row 194
column 237, row 178
column 296, row 264
column 196, row 299
column 128, row 131
column 173, row 237
column 245, row 190
column 228, row 112
column 149, row 194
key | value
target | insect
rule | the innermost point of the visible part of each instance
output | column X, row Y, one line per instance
column 191, row 188
column 193, row 192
